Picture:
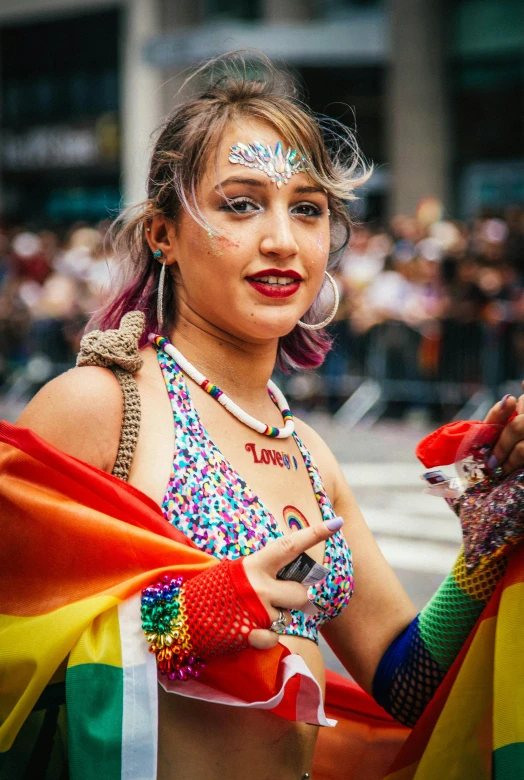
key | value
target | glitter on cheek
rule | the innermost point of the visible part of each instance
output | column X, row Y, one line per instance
column 228, row 243
column 217, row 244
column 317, row 247
column 213, row 244
column 320, row 242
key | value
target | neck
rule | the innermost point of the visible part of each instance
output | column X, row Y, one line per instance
column 239, row 368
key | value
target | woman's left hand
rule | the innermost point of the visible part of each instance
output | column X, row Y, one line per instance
column 508, row 452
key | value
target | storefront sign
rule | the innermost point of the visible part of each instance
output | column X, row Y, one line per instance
column 62, row 146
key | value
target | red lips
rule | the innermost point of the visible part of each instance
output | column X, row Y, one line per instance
column 276, row 272
column 275, row 290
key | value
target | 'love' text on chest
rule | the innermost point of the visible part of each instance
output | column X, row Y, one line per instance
column 272, row 457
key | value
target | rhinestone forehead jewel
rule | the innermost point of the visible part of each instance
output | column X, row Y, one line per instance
column 278, row 165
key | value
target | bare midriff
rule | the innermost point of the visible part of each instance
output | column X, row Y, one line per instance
column 199, row 740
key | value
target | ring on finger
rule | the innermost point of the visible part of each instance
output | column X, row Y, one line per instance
column 279, row 624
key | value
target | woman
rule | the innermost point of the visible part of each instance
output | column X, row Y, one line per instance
column 227, row 258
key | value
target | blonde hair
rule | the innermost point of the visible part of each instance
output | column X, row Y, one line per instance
column 188, row 137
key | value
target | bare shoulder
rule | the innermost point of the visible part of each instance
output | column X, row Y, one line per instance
column 328, row 466
column 80, row 413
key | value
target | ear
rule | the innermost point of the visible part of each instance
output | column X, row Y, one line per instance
column 161, row 234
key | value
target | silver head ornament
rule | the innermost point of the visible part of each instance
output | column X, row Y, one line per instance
column 278, row 165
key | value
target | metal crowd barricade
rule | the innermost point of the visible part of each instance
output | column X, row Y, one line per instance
column 468, row 368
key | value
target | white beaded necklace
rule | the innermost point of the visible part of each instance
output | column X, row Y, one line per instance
column 189, row 369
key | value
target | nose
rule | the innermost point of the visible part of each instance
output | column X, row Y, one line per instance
column 279, row 240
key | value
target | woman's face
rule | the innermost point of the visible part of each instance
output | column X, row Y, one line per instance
column 268, row 234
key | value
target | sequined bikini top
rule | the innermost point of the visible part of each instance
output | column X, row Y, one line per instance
column 213, row 506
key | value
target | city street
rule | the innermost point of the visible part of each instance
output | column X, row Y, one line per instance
column 418, row 534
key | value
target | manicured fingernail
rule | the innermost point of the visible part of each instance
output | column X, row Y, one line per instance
column 335, row 524
column 492, row 462
column 503, row 401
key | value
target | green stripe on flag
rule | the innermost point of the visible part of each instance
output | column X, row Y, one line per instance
column 508, row 762
column 94, row 715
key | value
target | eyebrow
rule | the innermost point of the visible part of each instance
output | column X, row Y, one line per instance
column 260, row 183
column 241, row 180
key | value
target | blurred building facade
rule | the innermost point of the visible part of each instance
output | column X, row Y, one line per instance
column 436, row 86
column 60, row 103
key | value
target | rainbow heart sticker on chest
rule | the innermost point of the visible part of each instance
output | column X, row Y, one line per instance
column 294, row 518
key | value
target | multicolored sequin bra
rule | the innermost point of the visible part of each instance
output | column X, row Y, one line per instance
column 211, row 504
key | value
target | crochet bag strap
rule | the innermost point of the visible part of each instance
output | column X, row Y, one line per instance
column 118, row 351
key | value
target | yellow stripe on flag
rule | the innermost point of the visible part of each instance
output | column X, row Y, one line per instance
column 100, row 642
column 460, row 745
column 509, row 670
column 28, row 665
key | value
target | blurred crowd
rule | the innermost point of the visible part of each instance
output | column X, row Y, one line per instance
column 424, row 295
column 50, row 283
column 432, row 297
column 418, row 273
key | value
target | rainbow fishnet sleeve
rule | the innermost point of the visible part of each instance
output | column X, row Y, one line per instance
column 189, row 621
column 416, row 662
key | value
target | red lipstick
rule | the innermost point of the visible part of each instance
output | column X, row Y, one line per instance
column 272, row 289
column 277, row 272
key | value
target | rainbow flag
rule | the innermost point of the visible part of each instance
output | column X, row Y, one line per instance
column 473, row 729
column 77, row 683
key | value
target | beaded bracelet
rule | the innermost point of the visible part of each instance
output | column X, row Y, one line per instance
column 164, row 621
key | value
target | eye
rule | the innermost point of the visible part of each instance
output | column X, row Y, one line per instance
column 307, row 210
column 240, row 205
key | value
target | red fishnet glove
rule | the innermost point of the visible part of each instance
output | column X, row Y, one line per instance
column 222, row 609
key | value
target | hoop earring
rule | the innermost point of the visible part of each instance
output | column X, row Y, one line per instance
column 160, row 297
column 331, row 314
column 343, row 244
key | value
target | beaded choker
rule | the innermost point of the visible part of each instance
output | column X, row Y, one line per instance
column 275, row 394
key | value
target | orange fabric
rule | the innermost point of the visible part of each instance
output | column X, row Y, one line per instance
column 365, row 741
column 75, row 532
column 78, row 532
column 78, row 511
